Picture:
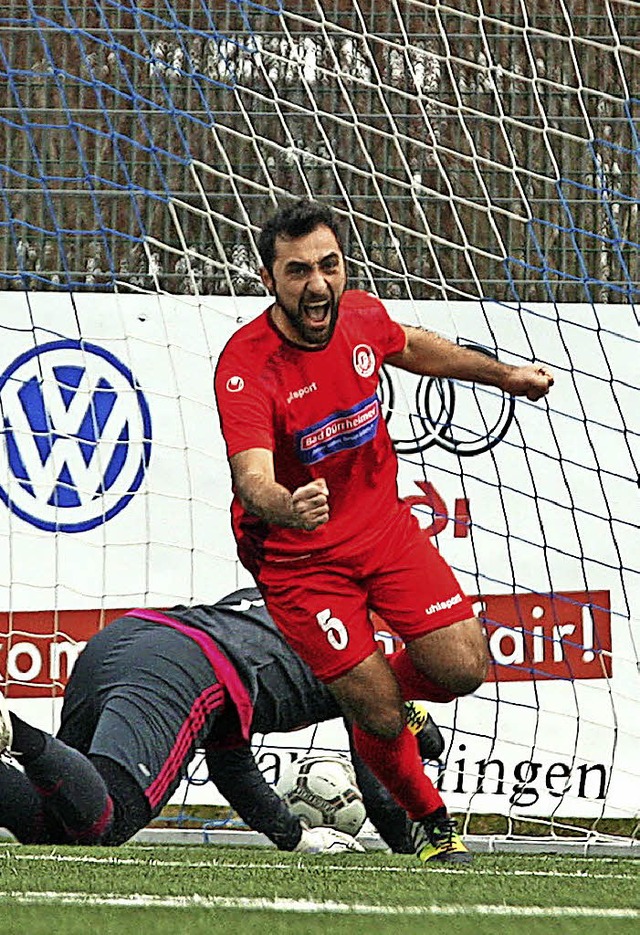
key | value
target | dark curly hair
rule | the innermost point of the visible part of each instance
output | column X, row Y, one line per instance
column 296, row 220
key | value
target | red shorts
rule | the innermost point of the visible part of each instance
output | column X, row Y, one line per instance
column 323, row 608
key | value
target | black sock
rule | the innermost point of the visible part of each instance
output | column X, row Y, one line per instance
column 28, row 741
column 72, row 790
column 438, row 816
column 21, row 810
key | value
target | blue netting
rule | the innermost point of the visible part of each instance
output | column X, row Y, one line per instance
column 132, row 130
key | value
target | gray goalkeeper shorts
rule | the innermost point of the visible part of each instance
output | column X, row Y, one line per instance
column 144, row 696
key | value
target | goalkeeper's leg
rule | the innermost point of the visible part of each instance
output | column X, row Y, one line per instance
column 64, row 797
column 59, row 798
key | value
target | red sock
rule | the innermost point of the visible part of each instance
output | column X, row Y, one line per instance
column 396, row 763
column 413, row 684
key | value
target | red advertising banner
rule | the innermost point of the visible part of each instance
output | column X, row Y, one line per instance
column 564, row 635
column 38, row 649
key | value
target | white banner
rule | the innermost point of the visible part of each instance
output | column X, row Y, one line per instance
column 115, row 493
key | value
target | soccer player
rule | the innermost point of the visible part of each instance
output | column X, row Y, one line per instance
column 316, row 511
column 143, row 694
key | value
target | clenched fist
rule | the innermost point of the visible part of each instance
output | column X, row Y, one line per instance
column 532, row 380
column 310, row 504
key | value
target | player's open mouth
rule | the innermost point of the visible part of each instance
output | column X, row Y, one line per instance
column 317, row 312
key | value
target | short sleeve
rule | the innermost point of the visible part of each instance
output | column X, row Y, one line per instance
column 244, row 406
column 390, row 337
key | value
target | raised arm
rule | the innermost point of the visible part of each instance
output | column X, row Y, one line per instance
column 430, row 354
column 260, row 494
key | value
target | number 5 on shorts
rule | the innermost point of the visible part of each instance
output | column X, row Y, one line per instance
column 335, row 629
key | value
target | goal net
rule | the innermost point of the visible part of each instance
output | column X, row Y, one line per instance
column 484, row 160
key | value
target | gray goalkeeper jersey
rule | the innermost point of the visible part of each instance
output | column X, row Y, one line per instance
column 282, row 690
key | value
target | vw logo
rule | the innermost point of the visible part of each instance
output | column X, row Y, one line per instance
column 465, row 420
column 75, row 436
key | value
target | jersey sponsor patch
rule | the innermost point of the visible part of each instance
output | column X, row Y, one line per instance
column 348, row 428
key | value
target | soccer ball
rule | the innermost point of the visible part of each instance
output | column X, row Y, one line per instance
column 322, row 790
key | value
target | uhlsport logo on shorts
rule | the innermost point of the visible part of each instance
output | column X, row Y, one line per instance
column 76, row 436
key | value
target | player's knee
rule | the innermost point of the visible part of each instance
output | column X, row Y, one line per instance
column 469, row 673
column 378, row 714
column 465, row 683
column 369, row 695
column 455, row 658
column 96, row 829
column 478, row 667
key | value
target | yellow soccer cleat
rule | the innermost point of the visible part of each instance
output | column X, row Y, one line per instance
column 436, row 840
column 420, row 723
column 417, row 715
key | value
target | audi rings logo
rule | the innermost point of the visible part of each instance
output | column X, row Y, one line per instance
column 76, row 436
column 466, row 420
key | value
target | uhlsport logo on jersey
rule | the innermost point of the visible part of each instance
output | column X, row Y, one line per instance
column 347, row 428
column 76, row 436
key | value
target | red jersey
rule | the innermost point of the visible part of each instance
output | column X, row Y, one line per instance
column 318, row 411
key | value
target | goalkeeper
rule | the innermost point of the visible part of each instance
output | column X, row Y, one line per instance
column 148, row 690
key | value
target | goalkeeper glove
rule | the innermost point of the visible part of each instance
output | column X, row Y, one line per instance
column 326, row 841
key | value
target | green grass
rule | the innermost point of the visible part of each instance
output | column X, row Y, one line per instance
column 259, row 891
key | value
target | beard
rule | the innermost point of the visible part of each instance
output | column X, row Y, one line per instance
column 304, row 326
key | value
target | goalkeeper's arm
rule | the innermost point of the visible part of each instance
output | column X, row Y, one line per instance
column 238, row 778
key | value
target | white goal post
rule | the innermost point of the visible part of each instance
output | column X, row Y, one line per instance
column 484, row 161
